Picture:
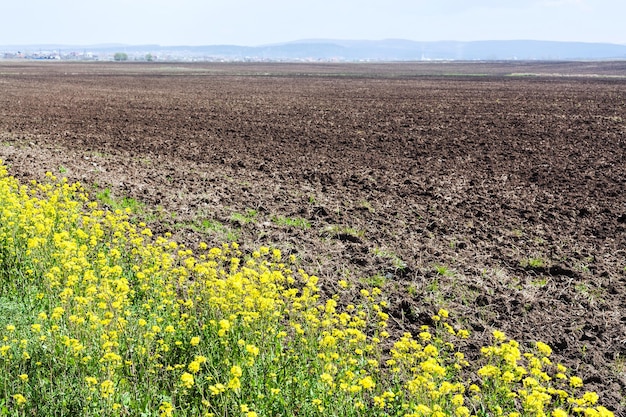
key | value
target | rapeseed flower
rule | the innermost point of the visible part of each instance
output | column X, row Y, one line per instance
column 187, row 380
column 20, row 400
column 119, row 304
column 107, row 388
column 166, row 409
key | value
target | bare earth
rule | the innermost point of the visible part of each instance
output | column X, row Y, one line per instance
column 502, row 198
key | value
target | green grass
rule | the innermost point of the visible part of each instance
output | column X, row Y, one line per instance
column 107, row 198
column 396, row 262
column 533, row 263
column 443, row 270
column 244, row 218
column 297, row 222
column 210, row 226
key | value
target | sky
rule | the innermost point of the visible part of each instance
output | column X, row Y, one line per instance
column 255, row 22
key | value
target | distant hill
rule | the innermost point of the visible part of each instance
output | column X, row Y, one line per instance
column 359, row 50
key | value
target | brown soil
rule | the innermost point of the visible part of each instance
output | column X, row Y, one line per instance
column 500, row 198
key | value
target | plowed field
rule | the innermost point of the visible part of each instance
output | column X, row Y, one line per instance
column 501, row 198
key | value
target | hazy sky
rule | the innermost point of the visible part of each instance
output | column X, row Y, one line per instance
column 255, row 22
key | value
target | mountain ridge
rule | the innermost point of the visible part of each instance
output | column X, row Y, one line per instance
column 364, row 50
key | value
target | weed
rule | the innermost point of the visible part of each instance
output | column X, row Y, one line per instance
column 366, row 205
column 433, row 286
column 125, row 203
column 396, row 262
column 533, row 263
column 376, row 281
column 209, row 226
column 249, row 216
column 540, row 282
column 443, row 270
column 411, row 290
column 297, row 222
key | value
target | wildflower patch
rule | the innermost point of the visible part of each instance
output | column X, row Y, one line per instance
column 113, row 320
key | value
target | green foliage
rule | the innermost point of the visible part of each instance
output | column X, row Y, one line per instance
column 396, row 261
column 375, row 281
column 297, row 222
column 249, row 216
column 443, row 270
column 532, row 263
column 210, row 226
column 120, row 56
column 125, row 203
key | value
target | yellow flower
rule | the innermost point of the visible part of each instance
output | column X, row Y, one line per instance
column 379, row 402
column 499, row 335
column 508, row 376
column 326, row 378
column 107, row 388
column 234, row 384
column 91, row 380
column 590, row 398
column 367, row 382
column 474, row 388
column 558, row 412
column 23, row 377
column 236, row 371
column 19, row 399
column 194, row 367
column 488, row 371
column 252, row 350
column 575, row 382
column 462, row 411
column 425, row 336
column 187, row 380
column 224, row 327
column 166, row 409
column 604, row 412
column 217, row 389
column 463, row 333
column 544, row 349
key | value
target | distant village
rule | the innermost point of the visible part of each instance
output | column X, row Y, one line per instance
column 141, row 56
column 56, row 55
column 51, row 55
